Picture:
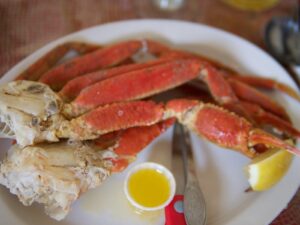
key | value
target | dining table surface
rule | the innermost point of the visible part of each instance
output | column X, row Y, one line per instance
column 26, row 26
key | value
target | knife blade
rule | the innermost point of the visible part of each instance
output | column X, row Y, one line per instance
column 181, row 210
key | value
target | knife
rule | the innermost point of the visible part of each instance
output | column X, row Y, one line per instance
column 188, row 205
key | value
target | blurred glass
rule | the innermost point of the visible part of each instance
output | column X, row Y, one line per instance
column 252, row 5
column 168, row 4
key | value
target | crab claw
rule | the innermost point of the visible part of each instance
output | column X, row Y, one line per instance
column 29, row 112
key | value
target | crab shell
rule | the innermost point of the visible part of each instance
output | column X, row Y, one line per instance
column 54, row 174
column 29, row 111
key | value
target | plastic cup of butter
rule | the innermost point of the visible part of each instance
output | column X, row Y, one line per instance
column 149, row 186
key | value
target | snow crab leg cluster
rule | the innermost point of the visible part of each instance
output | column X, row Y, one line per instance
column 87, row 117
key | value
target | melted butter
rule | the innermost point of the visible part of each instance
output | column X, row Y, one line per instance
column 149, row 187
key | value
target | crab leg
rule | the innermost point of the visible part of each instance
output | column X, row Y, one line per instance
column 76, row 85
column 214, row 123
column 36, row 70
column 110, row 118
column 222, row 92
column 96, row 60
column 263, row 117
column 224, row 128
column 268, row 84
column 134, row 85
column 257, row 137
column 249, row 94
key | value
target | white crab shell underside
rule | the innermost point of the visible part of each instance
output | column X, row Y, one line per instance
column 54, row 175
column 29, row 112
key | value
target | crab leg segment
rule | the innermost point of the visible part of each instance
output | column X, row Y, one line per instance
column 136, row 138
column 102, row 58
column 76, row 85
column 214, row 123
column 262, row 117
column 222, row 91
column 133, row 140
column 267, row 83
column 111, row 118
column 135, row 85
column 36, row 70
column 249, row 94
column 258, row 136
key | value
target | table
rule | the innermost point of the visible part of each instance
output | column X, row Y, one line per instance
column 26, row 26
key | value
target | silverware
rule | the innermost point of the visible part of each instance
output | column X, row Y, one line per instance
column 193, row 200
column 282, row 37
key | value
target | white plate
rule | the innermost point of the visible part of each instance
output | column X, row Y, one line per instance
column 220, row 171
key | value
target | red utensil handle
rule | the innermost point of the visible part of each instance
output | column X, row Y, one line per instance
column 174, row 212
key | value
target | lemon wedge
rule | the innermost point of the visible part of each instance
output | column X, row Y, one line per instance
column 268, row 168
